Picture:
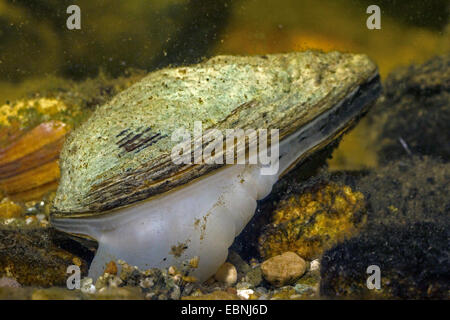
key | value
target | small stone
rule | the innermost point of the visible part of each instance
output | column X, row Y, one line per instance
column 6, row 282
column 172, row 271
column 30, row 220
column 114, row 281
column 283, row 293
column 146, row 283
column 302, row 289
column 87, row 286
column 261, row 290
column 176, row 293
column 111, row 268
column 283, row 269
column 245, row 293
column 77, row 261
column 243, row 285
column 315, row 265
column 254, row 276
column 227, row 274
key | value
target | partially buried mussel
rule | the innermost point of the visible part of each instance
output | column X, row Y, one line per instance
column 120, row 186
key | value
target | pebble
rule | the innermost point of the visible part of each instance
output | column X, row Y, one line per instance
column 302, row 289
column 87, row 286
column 315, row 265
column 283, row 269
column 111, row 268
column 227, row 274
column 254, row 276
column 243, row 285
column 245, row 293
column 6, row 282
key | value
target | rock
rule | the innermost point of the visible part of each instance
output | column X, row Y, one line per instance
column 283, row 269
column 254, row 276
column 216, row 295
column 406, row 191
column 243, row 285
column 245, row 293
column 314, row 265
column 226, row 273
column 322, row 214
column 31, row 257
column 413, row 114
column 6, row 282
column 413, row 260
column 111, row 268
column 303, row 289
column 283, row 293
column 87, row 286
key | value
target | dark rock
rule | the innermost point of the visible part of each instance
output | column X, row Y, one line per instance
column 407, row 235
column 29, row 256
column 414, row 112
column 413, row 261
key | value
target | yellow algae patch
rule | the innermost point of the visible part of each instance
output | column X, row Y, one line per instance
column 24, row 110
column 312, row 222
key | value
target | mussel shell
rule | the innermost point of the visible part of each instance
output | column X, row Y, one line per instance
column 29, row 163
column 122, row 153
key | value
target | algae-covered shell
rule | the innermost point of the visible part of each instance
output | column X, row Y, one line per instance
column 122, row 153
column 121, row 186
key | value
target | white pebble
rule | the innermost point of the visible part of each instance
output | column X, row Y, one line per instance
column 315, row 265
column 87, row 286
column 245, row 293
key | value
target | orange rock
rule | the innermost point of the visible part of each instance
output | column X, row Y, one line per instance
column 111, row 268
